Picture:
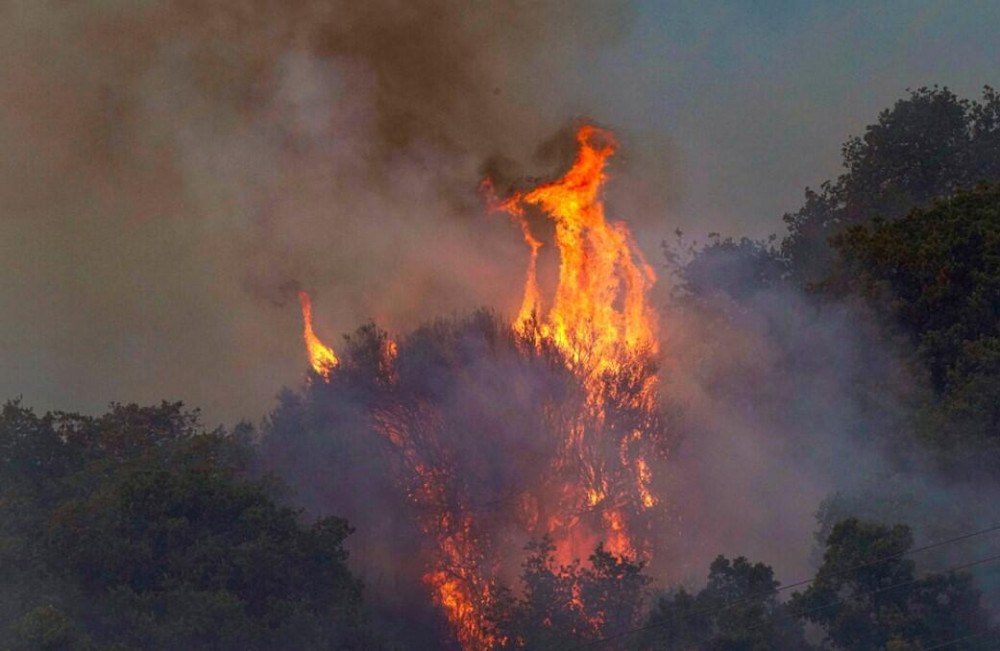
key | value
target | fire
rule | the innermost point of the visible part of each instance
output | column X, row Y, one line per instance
column 321, row 356
column 601, row 331
column 599, row 319
column 600, row 309
column 458, row 581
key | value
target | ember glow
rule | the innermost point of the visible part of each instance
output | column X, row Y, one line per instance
column 595, row 418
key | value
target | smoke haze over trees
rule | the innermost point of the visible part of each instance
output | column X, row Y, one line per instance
column 828, row 397
column 170, row 166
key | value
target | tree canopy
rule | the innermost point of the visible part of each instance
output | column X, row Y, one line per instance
column 927, row 145
column 562, row 606
column 136, row 530
column 738, row 609
column 935, row 274
column 867, row 594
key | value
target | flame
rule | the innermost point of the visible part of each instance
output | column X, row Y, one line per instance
column 600, row 481
column 644, row 477
column 602, row 323
column 461, row 581
column 600, row 309
column 321, row 356
column 600, row 318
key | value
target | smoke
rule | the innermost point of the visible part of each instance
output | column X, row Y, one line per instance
column 454, row 447
column 780, row 415
column 171, row 169
column 798, row 412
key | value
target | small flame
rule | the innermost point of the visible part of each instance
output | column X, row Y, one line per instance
column 321, row 356
column 645, row 476
column 531, row 305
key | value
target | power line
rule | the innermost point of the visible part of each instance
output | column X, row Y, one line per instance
column 902, row 584
column 892, row 557
column 836, row 602
column 954, row 641
column 797, row 584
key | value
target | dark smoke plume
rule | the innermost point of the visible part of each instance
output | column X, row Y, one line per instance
column 171, row 167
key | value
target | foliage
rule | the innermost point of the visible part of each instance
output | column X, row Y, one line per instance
column 867, row 595
column 563, row 606
column 735, row 268
column 451, row 433
column 935, row 273
column 136, row 529
column 927, row 145
column 737, row 610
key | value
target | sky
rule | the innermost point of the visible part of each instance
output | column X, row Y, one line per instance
column 758, row 97
column 169, row 174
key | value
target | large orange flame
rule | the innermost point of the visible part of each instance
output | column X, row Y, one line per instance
column 600, row 324
column 321, row 356
column 599, row 318
column 601, row 321
column 600, row 310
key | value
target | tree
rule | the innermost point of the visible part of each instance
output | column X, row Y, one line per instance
column 935, row 275
column 563, row 606
column 138, row 530
column 737, row 269
column 737, row 610
column 927, row 145
column 866, row 594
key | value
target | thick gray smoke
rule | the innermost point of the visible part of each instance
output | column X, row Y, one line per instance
column 799, row 412
column 170, row 168
column 775, row 408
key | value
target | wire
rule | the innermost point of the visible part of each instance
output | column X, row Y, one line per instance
column 915, row 550
column 868, row 593
column 797, row 584
column 809, row 611
column 956, row 640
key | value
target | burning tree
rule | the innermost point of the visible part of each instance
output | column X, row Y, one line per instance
column 488, row 435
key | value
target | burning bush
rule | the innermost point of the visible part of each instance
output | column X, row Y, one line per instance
column 480, row 436
column 465, row 441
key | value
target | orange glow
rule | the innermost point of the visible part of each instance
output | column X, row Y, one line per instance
column 531, row 305
column 598, row 482
column 600, row 320
column 321, row 356
column 599, row 312
column 460, row 583
column 618, row 541
column 645, row 476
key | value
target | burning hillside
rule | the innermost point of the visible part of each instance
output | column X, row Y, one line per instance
column 494, row 434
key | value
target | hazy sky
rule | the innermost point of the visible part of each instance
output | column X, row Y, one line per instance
column 169, row 170
column 759, row 96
